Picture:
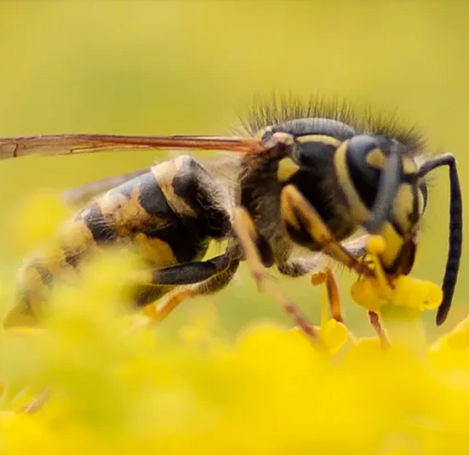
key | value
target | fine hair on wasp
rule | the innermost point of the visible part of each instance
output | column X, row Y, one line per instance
column 298, row 163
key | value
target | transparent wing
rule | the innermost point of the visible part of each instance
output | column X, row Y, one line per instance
column 81, row 195
column 73, row 144
column 224, row 169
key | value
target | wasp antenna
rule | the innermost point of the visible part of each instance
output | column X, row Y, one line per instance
column 455, row 231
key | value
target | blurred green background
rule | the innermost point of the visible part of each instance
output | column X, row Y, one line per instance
column 189, row 66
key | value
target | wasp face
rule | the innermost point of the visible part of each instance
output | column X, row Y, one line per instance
column 353, row 179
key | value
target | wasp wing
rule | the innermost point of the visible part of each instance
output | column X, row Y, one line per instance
column 81, row 195
column 74, row 144
column 225, row 169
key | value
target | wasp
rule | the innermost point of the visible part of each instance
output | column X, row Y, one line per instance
column 352, row 172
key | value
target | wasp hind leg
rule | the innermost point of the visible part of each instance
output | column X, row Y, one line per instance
column 191, row 279
column 195, row 194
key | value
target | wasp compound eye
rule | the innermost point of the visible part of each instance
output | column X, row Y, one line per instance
column 359, row 146
column 379, row 166
column 374, row 168
column 365, row 177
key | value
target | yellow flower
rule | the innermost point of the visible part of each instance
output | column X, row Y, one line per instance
column 30, row 227
column 90, row 382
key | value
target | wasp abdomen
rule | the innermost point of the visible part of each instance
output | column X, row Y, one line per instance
column 167, row 215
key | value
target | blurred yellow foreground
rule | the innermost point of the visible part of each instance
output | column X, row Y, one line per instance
column 212, row 382
column 91, row 382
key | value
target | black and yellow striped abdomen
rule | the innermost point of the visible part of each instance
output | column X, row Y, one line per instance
column 160, row 215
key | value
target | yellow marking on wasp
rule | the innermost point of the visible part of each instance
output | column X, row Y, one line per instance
column 291, row 201
column 286, row 209
column 25, row 313
column 358, row 210
column 279, row 138
column 409, row 166
column 127, row 217
column 54, row 257
column 376, row 159
column 121, row 213
column 286, row 168
column 158, row 252
column 77, row 234
column 19, row 316
column 421, row 201
column 75, row 239
column 394, row 243
column 329, row 140
column 31, row 278
column 164, row 174
column 403, row 206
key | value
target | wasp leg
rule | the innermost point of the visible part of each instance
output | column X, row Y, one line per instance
column 36, row 403
column 376, row 324
column 191, row 272
column 246, row 233
column 299, row 214
column 193, row 278
column 327, row 278
column 216, row 282
column 301, row 266
column 297, row 267
column 195, row 194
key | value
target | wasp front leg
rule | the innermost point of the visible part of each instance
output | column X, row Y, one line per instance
column 374, row 287
column 299, row 215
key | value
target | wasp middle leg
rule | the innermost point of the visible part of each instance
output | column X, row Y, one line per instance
column 321, row 273
column 247, row 236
